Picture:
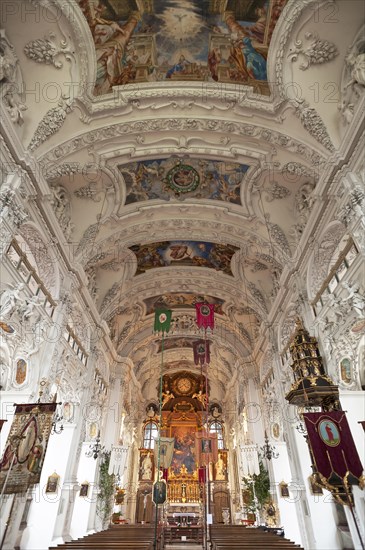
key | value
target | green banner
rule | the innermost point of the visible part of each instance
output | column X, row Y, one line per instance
column 162, row 320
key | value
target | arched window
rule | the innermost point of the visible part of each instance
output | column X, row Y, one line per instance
column 150, row 432
column 217, row 428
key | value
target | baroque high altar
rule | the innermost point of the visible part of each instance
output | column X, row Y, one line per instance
column 185, row 412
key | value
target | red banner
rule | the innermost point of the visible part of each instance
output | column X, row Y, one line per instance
column 201, row 349
column 202, row 474
column 333, row 447
column 205, row 315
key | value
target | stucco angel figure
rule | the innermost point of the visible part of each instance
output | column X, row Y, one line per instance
column 356, row 62
column 27, row 309
column 9, row 299
column 356, row 299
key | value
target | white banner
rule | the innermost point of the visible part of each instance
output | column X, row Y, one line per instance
column 166, row 451
column 249, row 460
column 118, row 460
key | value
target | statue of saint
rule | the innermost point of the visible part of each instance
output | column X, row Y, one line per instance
column 146, row 468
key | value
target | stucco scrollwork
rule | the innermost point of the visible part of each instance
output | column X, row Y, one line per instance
column 44, row 50
column 353, row 78
column 61, row 205
column 318, row 51
column 11, row 82
column 51, row 122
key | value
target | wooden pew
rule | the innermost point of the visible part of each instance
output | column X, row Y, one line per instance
column 234, row 537
column 121, row 537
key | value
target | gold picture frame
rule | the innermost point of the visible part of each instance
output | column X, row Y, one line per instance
column 52, row 483
column 84, row 489
column 314, row 487
column 284, row 490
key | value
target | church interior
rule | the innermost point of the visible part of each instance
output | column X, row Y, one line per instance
column 190, row 369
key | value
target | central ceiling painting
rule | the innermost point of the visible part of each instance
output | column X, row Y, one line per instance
column 192, row 40
column 178, row 300
column 184, row 253
column 199, row 179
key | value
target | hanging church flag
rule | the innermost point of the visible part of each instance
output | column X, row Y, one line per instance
column 162, row 320
column 26, row 447
column 205, row 315
column 166, row 451
column 206, row 448
column 201, row 349
column 249, row 460
column 118, row 460
column 333, row 448
column 202, row 474
column 159, row 493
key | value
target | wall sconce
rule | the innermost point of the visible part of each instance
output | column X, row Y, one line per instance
column 57, row 419
column 267, row 450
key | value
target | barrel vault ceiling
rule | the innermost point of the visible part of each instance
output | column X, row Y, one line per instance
column 182, row 151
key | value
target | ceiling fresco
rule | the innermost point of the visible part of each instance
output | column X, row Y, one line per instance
column 181, row 300
column 175, row 342
column 184, row 253
column 193, row 40
column 193, row 178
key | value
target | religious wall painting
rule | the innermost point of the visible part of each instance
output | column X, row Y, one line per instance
column 220, row 468
column 68, row 411
column 164, row 179
column 173, row 343
column 284, row 489
column 178, row 300
column 21, row 371
column 53, row 483
column 184, row 449
column 195, row 40
column 184, row 253
column 146, row 465
column 275, row 430
column 7, row 328
column 346, row 370
column 84, row 489
column 315, row 488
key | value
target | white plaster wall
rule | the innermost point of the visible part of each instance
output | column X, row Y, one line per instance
column 44, row 509
column 287, row 507
column 82, row 507
column 320, row 508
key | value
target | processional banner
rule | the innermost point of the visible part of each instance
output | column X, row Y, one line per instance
column 201, row 349
column 249, row 460
column 333, row 448
column 118, row 460
column 206, row 448
column 22, row 461
column 205, row 315
column 162, row 320
column 166, row 450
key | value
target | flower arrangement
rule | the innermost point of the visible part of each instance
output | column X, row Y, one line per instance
column 119, row 495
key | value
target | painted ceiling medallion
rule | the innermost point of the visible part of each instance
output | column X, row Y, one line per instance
column 183, row 178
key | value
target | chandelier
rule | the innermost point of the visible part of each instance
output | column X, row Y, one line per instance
column 267, row 450
column 95, row 448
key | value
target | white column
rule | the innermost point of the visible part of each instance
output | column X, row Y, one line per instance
column 287, row 506
column 320, row 508
column 83, row 505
